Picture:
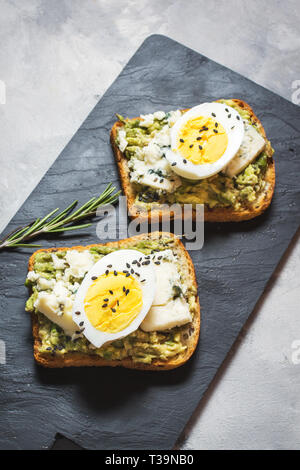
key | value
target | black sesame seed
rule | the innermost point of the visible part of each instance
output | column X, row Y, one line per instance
column 215, row 131
column 184, row 160
column 104, row 305
column 181, row 140
column 137, row 274
column 113, row 310
column 143, row 280
column 173, row 164
column 106, row 272
column 125, row 271
column 115, row 273
column 77, row 313
column 148, row 257
column 127, row 292
column 138, row 265
column 49, row 348
column 128, row 265
column 199, row 138
column 124, row 289
column 213, row 114
column 216, row 124
column 134, row 261
column 227, row 110
column 111, row 292
column 127, row 275
column 109, row 265
column 161, row 180
column 105, row 300
column 232, row 127
column 81, row 323
column 238, row 118
column 132, row 271
column 118, row 303
column 200, row 147
column 157, row 262
column 94, row 278
column 192, row 145
column 160, row 257
column 229, row 116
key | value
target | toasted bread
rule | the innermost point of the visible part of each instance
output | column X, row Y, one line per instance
column 210, row 215
column 76, row 359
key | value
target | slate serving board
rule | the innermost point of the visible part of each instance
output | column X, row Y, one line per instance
column 117, row 408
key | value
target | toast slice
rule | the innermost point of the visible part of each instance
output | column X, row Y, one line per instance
column 216, row 214
column 189, row 332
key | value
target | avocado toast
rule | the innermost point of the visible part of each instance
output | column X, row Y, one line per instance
column 226, row 198
column 154, row 350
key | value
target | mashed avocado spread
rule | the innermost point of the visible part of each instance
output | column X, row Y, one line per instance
column 219, row 190
column 140, row 346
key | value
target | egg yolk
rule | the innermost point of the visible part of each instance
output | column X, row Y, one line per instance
column 113, row 301
column 202, row 140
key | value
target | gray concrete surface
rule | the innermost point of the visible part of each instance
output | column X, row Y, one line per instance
column 57, row 57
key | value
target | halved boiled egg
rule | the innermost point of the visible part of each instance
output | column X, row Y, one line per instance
column 115, row 296
column 204, row 140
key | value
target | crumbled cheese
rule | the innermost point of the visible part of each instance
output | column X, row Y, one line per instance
column 159, row 115
column 45, row 284
column 157, row 176
column 173, row 117
column 163, row 137
column 32, row 276
column 122, row 140
column 58, row 263
column 80, row 262
column 152, row 153
column 147, row 120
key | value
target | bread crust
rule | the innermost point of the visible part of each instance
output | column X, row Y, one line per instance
column 75, row 359
column 210, row 215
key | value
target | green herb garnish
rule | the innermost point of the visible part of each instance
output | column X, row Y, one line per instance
column 62, row 222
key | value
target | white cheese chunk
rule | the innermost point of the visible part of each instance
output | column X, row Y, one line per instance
column 165, row 317
column 159, row 115
column 45, row 284
column 157, row 176
column 48, row 304
column 152, row 153
column 58, row 263
column 32, row 276
column 167, row 276
column 147, row 120
column 163, row 137
column 80, row 262
column 252, row 145
column 122, row 140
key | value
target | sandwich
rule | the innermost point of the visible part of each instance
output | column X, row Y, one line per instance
column 130, row 303
column 216, row 154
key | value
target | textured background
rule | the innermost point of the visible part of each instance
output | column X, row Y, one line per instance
column 57, row 58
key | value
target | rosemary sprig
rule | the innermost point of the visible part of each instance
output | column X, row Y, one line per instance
column 55, row 222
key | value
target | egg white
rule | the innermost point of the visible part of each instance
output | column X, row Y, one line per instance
column 234, row 127
column 118, row 260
